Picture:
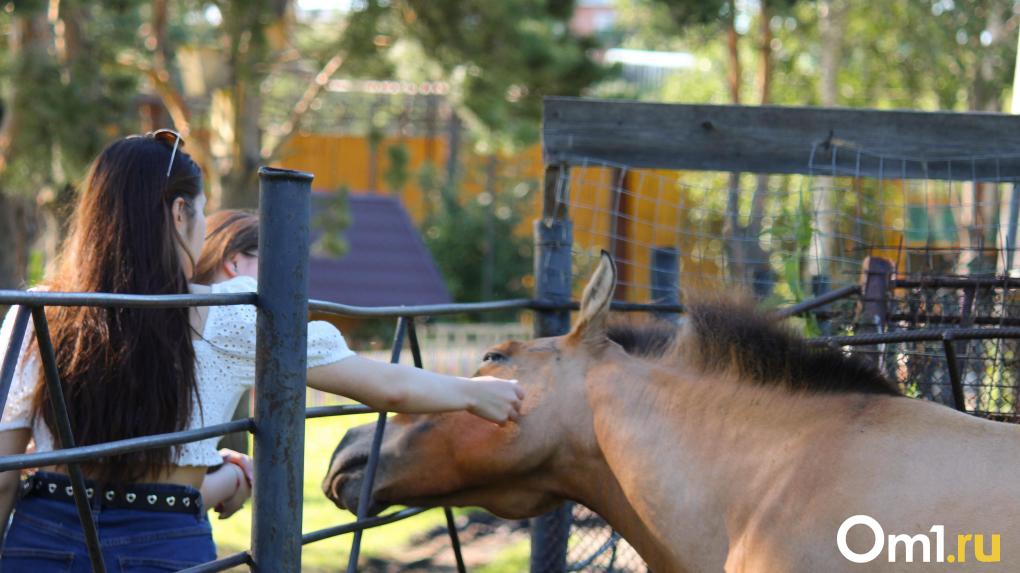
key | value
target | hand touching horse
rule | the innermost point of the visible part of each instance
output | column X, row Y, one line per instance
column 725, row 445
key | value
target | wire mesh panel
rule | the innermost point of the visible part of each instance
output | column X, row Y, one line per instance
column 595, row 547
column 945, row 229
column 987, row 367
column 787, row 236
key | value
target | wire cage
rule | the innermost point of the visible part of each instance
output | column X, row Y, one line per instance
column 910, row 242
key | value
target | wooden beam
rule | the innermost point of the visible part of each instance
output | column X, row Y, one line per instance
column 774, row 139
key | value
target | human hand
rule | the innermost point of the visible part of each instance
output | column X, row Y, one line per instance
column 240, row 467
column 495, row 399
column 234, row 503
column 240, row 460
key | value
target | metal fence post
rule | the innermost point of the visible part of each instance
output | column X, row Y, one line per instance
column 280, row 368
column 553, row 241
column 665, row 278
column 821, row 284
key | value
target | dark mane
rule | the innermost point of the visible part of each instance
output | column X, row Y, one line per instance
column 721, row 337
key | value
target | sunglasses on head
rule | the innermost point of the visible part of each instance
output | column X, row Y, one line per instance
column 170, row 137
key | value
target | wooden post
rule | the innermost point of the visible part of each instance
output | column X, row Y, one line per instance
column 619, row 231
column 553, row 242
column 873, row 313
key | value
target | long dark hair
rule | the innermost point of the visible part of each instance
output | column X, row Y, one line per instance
column 228, row 232
column 125, row 372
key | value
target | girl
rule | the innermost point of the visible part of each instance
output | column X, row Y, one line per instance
column 231, row 247
column 136, row 228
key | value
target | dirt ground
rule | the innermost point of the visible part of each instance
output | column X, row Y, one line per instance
column 482, row 536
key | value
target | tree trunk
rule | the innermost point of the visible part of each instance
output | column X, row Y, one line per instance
column 19, row 224
column 19, row 217
column 453, row 150
column 764, row 82
column 731, row 224
column 832, row 17
column 489, row 250
column 242, row 106
column 732, row 50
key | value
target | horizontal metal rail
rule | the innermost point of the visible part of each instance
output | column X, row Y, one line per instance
column 36, row 298
column 42, row 298
column 228, row 562
column 469, row 307
column 363, row 524
column 955, row 282
column 921, row 335
column 615, row 305
column 107, row 300
column 931, row 319
column 341, row 410
column 85, row 453
column 244, row 557
column 416, row 310
column 816, row 302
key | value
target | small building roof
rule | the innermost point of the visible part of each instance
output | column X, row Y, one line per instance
column 386, row 263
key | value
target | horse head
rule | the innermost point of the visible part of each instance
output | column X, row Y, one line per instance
column 457, row 459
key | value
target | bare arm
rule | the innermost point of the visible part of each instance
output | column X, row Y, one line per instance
column 11, row 442
column 220, row 485
column 398, row 388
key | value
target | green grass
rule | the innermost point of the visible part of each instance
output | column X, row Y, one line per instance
column 321, row 437
column 387, row 542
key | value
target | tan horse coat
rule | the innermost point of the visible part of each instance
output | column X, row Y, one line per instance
column 702, row 470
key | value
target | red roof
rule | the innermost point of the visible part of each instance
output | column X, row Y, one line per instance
column 387, row 263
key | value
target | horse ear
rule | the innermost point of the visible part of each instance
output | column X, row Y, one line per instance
column 598, row 294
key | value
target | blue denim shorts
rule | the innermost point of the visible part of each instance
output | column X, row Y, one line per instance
column 45, row 536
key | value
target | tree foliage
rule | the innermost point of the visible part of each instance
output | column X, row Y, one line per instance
column 476, row 242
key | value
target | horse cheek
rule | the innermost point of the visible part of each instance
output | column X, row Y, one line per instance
column 480, row 447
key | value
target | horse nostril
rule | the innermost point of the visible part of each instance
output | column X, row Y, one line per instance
column 354, row 462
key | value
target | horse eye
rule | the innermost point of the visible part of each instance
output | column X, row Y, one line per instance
column 493, row 357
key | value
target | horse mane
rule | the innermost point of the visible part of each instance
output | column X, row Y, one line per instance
column 724, row 337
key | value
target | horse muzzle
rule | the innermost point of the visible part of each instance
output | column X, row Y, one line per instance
column 347, row 470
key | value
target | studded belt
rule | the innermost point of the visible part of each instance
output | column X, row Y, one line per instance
column 146, row 497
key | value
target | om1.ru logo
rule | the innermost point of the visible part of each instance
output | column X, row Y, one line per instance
column 910, row 543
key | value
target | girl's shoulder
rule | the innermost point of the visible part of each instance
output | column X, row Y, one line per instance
column 240, row 283
column 231, row 327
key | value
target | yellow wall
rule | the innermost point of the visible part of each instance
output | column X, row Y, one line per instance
column 657, row 210
column 344, row 160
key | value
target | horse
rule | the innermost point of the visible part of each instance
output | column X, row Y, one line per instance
column 724, row 444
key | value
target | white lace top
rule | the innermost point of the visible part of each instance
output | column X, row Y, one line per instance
column 224, row 369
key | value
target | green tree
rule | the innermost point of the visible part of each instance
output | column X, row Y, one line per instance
column 475, row 245
column 63, row 94
column 502, row 58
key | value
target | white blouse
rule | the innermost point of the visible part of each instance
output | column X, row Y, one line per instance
column 224, row 369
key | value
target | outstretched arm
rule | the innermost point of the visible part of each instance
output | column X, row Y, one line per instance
column 399, row 388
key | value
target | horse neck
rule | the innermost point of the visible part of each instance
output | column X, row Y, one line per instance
column 681, row 463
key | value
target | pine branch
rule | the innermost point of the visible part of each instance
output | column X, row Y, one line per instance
column 289, row 127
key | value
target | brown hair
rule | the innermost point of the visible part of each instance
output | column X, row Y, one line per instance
column 229, row 232
column 731, row 336
column 125, row 372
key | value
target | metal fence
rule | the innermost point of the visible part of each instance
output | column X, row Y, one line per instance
column 901, row 321
column 278, row 424
column 280, row 412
